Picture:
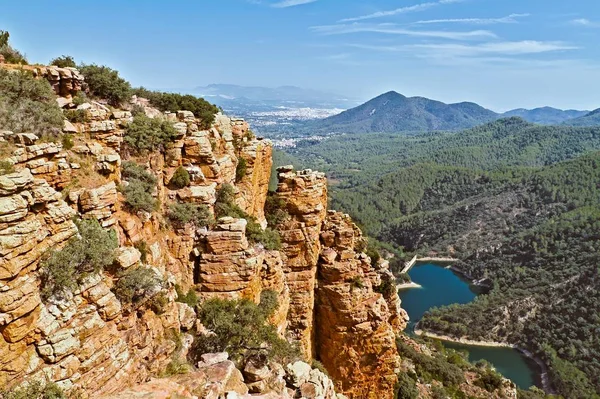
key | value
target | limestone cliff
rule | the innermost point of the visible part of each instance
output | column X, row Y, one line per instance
column 329, row 295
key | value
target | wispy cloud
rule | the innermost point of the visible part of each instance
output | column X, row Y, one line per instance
column 392, row 29
column 584, row 22
column 510, row 19
column 291, row 3
column 402, row 10
column 445, row 50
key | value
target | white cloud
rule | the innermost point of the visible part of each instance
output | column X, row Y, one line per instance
column 510, row 19
column 291, row 3
column 402, row 10
column 392, row 29
column 449, row 49
column 584, row 22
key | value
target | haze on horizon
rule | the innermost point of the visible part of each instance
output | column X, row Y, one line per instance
column 500, row 54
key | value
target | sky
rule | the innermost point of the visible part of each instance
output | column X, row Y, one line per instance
column 502, row 54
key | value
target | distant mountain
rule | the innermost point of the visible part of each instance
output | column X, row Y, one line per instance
column 392, row 112
column 590, row 119
column 545, row 115
column 288, row 96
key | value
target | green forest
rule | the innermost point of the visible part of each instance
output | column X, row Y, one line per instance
column 517, row 203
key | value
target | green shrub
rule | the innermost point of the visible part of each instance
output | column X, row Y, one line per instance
column 76, row 115
column 64, row 61
column 67, row 141
column 28, row 104
column 138, row 192
column 191, row 298
column 240, row 328
column 176, row 367
column 275, row 209
column 241, row 169
column 386, row 288
column 79, row 98
column 105, row 83
column 34, row 390
column 89, row 253
column 181, row 178
column 174, row 102
column 6, row 168
column 159, row 302
column 137, row 283
column 268, row 301
column 142, row 246
column 489, row 380
column 146, row 134
column 373, row 253
column 11, row 55
column 225, row 203
column 357, row 282
column 180, row 214
column 406, row 387
column 319, row 366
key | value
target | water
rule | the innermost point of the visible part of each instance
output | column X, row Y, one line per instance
column 440, row 287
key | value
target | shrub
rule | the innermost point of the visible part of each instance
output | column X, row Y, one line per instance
column 142, row 246
column 275, row 209
column 174, row 102
column 88, row 253
column 181, row 178
column 6, row 168
column 138, row 192
column 28, row 104
column 79, row 98
column 240, row 328
column 137, row 283
column 373, row 253
column 241, row 169
column 67, row 141
column 34, row 390
column 357, row 282
column 387, row 287
column 191, row 298
column 105, row 83
column 319, row 366
column 64, row 61
column 268, row 302
column 181, row 214
column 225, row 203
column 146, row 134
column 11, row 55
column 76, row 115
column 176, row 367
column 406, row 387
column 489, row 380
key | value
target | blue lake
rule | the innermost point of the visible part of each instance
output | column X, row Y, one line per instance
column 441, row 286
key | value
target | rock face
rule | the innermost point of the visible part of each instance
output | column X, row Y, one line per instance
column 89, row 340
column 355, row 325
column 305, row 196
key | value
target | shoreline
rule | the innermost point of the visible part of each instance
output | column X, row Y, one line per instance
column 545, row 380
column 405, row 286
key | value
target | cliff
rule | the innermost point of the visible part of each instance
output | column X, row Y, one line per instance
column 92, row 342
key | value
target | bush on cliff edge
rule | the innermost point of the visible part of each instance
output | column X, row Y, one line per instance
column 241, row 329
column 89, row 252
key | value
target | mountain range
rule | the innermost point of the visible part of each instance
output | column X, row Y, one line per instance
column 392, row 112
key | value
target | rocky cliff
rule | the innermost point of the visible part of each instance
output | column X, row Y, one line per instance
column 332, row 300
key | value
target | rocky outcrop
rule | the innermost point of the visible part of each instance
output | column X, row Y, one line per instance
column 305, row 196
column 254, row 185
column 217, row 377
column 355, row 334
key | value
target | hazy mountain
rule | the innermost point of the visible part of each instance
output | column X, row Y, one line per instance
column 393, row 112
column 545, row 115
column 589, row 119
column 288, row 96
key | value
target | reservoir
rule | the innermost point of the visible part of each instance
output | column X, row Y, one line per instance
column 439, row 287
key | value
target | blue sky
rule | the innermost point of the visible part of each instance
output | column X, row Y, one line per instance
column 500, row 53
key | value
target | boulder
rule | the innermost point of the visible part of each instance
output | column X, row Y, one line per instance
column 127, row 256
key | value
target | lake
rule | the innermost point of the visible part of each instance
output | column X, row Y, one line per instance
column 441, row 286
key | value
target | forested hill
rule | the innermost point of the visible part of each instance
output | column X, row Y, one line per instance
column 545, row 115
column 591, row 119
column 371, row 180
column 535, row 236
column 393, row 112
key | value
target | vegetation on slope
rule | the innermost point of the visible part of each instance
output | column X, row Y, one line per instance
column 28, row 104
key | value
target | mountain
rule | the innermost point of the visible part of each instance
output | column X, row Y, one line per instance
column 393, row 112
column 590, row 119
column 545, row 115
column 289, row 96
